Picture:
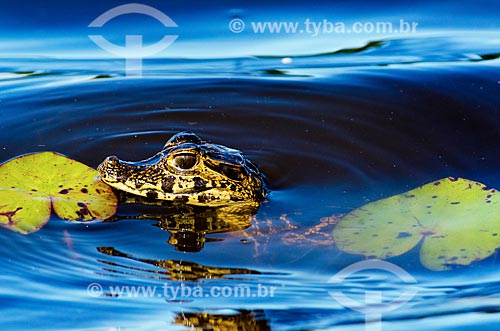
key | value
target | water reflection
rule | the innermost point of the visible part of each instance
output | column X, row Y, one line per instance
column 187, row 225
column 241, row 320
column 177, row 270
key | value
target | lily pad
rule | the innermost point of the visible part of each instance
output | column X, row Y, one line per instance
column 34, row 184
column 457, row 220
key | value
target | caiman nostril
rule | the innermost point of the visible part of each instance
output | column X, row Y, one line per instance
column 109, row 163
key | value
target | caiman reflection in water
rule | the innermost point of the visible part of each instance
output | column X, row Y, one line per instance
column 243, row 320
column 177, row 270
column 188, row 225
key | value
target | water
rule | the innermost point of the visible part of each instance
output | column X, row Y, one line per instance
column 332, row 130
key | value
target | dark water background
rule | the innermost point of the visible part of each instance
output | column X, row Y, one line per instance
column 330, row 131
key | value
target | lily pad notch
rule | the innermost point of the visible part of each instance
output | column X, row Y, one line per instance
column 456, row 220
column 33, row 185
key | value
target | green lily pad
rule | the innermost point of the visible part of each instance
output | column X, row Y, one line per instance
column 33, row 184
column 457, row 220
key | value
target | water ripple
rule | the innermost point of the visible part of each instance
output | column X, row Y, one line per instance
column 330, row 131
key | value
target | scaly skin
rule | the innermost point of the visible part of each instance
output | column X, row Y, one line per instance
column 191, row 171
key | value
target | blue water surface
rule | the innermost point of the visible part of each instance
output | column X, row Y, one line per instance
column 334, row 121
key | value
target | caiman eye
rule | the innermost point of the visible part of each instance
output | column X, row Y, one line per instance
column 185, row 161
